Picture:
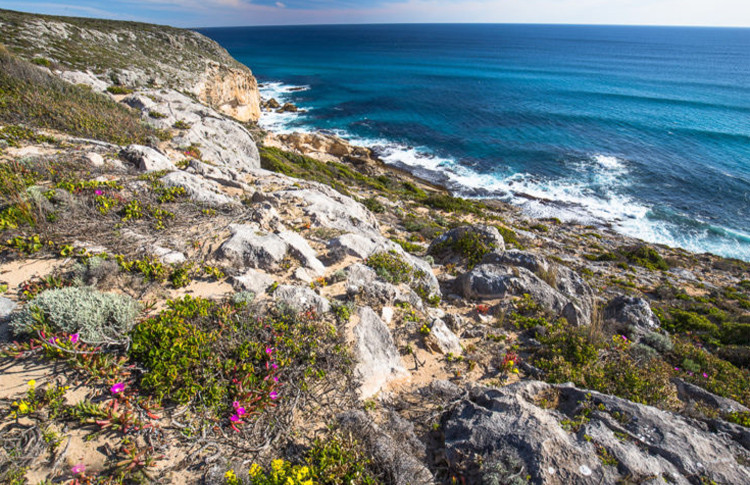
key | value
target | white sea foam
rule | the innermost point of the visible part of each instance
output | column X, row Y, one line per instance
column 281, row 123
column 595, row 191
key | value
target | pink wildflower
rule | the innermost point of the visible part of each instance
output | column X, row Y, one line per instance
column 269, row 350
column 240, row 411
column 236, row 404
column 705, row 376
column 78, row 469
column 274, row 366
column 234, row 418
column 74, row 338
column 98, row 192
column 273, row 395
column 117, row 388
column 52, row 340
column 275, row 379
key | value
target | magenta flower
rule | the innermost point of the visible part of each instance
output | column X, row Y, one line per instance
column 273, row 395
column 78, row 469
column 234, row 418
column 240, row 411
column 74, row 338
column 269, row 350
column 236, row 404
column 52, row 340
column 275, row 379
column 705, row 376
column 274, row 366
column 676, row 368
column 98, row 192
column 117, row 388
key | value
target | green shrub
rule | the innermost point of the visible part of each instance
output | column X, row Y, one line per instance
column 470, row 245
column 391, row 267
column 657, row 341
column 735, row 334
column 686, row 321
column 98, row 317
column 646, row 257
column 215, row 353
column 374, row 205
column 41, row 61
column 408, row 246
column 454, row 204
column 339, row 459
column 343, row 311
column 119, row 90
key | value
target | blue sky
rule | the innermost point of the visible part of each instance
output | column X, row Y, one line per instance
column 209, row 13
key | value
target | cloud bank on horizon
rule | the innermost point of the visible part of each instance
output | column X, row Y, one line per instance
column 214, row 13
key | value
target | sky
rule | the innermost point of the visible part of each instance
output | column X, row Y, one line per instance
column 216, row 13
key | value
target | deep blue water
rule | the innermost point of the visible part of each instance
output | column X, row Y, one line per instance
column 645, row 128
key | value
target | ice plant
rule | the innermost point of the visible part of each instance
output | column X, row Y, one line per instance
column 74, row 338
column 98, row 192
column 117, row 388
column 78, row 469
column 273, row 395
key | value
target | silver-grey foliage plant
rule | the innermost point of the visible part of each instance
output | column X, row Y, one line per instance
column 98, row 317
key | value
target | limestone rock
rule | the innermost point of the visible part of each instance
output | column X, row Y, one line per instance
column 198, row 189
column 85, row 78
column 442, row 339
column 256, row 249
column 496, row 423
column 253, row 281
column 363, row 280
column 222, row 141
column 514, row 257
column 299, row 299
column 7, row 307
column 691, row 393
column 358, row 245
column 147, row 159
column 94, row 159
column 378, row 360
column 630, row 311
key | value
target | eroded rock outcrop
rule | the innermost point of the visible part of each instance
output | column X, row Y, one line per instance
column 584, row 437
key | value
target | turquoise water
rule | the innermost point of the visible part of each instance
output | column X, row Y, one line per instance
column 646, row 129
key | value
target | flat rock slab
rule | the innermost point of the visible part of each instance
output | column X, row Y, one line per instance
column 378, row 360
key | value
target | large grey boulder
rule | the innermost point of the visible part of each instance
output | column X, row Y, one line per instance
column 378, row 360
column 515, row 257
column 327, row 208
column 489, row 282
column 299, row 299
column 512, row 434
column 147, row 159
column 631, row 312
column 442, row 340
column 489, row 235
column 358, row 245
column 198, row 189
column 252, row 248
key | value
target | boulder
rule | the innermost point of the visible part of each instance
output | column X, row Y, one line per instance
column 690, row 393
column 147, row 159
column 252, row 248
column 327, row 208
column 514, row 257
column 199, row 190
column 253, row 281
column 85, row 78
column 94, row 159
column 631, row 312
column 512, row 434
column 358, row 245
column 378, row 360
column 287, row 108
column 299, row 299
column 442, row 340
column 577, row 290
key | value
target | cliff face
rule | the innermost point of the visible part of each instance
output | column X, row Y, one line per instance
column 135, row 55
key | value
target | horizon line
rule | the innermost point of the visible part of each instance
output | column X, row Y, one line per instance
column 737, row 27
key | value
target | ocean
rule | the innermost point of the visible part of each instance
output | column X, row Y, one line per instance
column 645, row 129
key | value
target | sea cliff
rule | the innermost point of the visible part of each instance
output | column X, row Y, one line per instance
column 189, row 299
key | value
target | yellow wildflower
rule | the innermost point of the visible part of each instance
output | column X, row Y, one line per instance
column 255, row 469
column 32, row 383
column 23, row 407
column 229, row 475
column 277, row 465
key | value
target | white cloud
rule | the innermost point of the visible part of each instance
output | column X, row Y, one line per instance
column 280, row 5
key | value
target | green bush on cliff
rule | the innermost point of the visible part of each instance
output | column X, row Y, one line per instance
column 31, row 96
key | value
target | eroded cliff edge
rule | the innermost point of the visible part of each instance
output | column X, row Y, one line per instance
column 103, row 53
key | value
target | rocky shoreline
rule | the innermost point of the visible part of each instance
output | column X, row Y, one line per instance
column 186, row 299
